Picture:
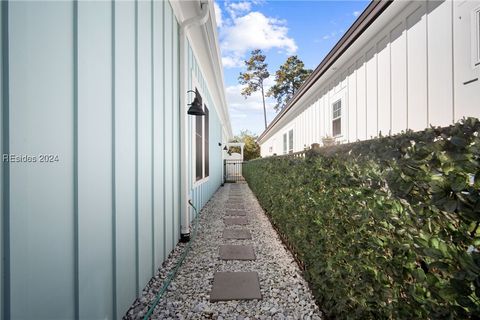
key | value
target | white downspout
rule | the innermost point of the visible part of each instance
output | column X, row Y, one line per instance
column 184, row 152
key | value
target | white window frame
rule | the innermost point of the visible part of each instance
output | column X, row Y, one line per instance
column 195, row 182
column 342, row 96
column 475, row 41
column 286, row 138
column 334, row 118
column 290, row 147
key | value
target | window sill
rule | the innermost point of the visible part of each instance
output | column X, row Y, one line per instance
column 200, row 182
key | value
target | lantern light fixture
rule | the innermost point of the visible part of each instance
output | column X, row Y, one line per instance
column 196, row 108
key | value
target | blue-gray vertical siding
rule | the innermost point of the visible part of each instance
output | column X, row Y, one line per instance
column 159, row 133
column 125, row 154
column 42, row 121
column 94, row 159
column 2, row 217
column 98, row 84
column 144, row 137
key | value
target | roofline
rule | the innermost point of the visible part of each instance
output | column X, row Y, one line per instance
column 368, row 16
column 209, row 45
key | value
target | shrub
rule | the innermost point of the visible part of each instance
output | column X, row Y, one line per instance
column 387, row 228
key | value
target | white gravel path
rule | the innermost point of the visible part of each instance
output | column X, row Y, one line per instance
column 285, row 293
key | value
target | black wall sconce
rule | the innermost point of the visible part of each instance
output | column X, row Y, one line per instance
column 196, row 106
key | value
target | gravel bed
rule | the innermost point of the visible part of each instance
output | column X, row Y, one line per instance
column 285, row 293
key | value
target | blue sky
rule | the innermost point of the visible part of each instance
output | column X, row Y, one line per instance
column 308, row 29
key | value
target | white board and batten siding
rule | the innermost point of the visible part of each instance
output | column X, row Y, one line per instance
column 96, row 83
column 419, row 67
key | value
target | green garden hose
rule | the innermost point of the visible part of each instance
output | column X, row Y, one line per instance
column 173, row 272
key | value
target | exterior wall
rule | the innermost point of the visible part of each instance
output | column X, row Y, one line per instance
column 2, row 217
column 409, row 75
column 96, row 83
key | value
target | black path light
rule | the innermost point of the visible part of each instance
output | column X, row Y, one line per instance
column 196, row 106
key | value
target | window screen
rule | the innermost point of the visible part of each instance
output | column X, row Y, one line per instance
column 284, row 143
column 290, row 141
column 337, row 118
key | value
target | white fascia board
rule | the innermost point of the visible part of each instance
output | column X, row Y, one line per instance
column 341, row 65
column 197, row 39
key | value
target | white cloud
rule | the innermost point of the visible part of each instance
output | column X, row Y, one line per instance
column 248, row 113
column 356, row 13
column 235, row 8
column 330, row 35
column 218, row 15
column 240, row 6
column 253, row 103
column 232, row 62
column 255, row 31
column 334, row 34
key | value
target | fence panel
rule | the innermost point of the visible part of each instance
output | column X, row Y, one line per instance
column 233, row 171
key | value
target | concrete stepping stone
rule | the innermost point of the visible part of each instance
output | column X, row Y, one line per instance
column 237, row 234
column 235, row 286
column 239, row 213
column 235, row 206
column 235, row 221
column 236, row 201
column 236, row 252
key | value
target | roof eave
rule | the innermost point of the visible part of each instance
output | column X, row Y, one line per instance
column 368, row 16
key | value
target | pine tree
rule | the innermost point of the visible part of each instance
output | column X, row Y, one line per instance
column 288, row 80
column 254, row 77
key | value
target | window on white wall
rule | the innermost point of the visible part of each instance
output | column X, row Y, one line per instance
column 476, row 34
column 290, row 141
column 337, row 118
column 284, row 143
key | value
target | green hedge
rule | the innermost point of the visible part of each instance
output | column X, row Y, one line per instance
column 387, row 228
